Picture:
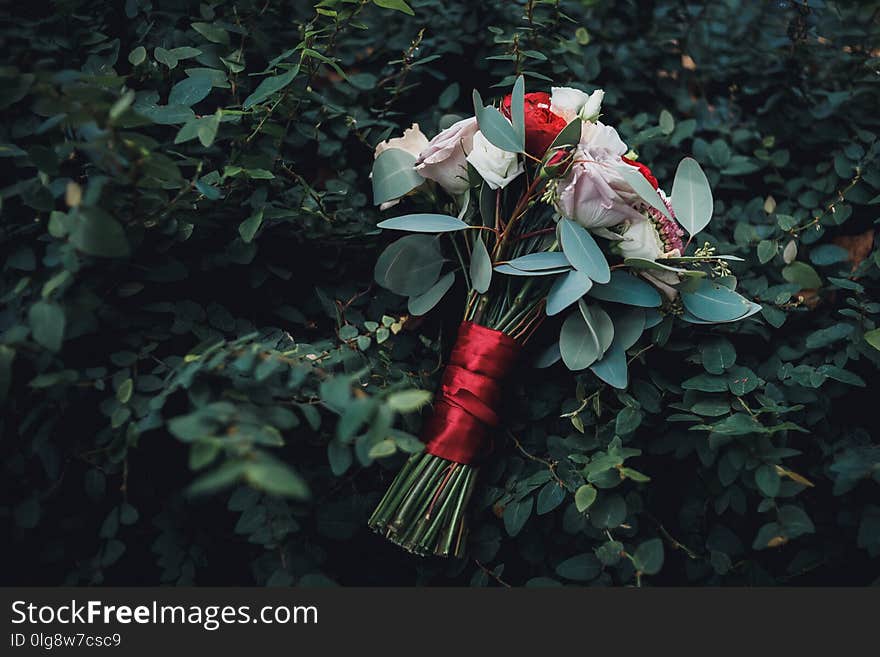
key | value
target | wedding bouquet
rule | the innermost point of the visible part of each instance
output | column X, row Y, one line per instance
column 543, row 210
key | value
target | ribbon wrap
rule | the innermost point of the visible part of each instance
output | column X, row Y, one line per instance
column 466, row 405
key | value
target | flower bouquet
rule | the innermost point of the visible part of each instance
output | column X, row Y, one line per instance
column 543, row 210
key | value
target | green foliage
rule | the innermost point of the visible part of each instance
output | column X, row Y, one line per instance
column 201, row 384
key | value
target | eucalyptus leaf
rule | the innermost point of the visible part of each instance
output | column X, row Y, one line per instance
column 802, row 274
column 569, row 136
column 394, row 175
column 577, row 343
column 715, row 303
column 481, row 266
column 423, row 223
column 538, row 261
column 625, row 288
column 513, row 271
column 517, row 109
column 549, row 356
column 409, row 266
column 634, row 178
column 421, row 304
column 582, row 251
column 691, row 196
column 496, row 128
column 629, row 323
column 644, row 263
column 566, row 290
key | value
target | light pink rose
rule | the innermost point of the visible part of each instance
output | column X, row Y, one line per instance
column 602, row 140
column 444, row 158
column 594, row 194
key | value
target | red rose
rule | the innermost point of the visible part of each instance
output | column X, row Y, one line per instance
column 542, row 125
column 646, row 172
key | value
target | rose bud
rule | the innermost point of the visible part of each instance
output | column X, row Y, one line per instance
column 557, row 163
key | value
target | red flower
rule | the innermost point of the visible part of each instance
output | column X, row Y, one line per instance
column 646, row 172
column 542, row 125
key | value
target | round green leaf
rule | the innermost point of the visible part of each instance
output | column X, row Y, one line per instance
column 584, row 497
column 767, row 479
column 800, row 273
column 421, row 304
column 577, row 343
column 717, row 354
column 409, row 266
column 580, row 568
column 566, row 290
column 608, row 512
column 137, row 56
column 47, row 324
column 648, row 558
column 190, row 91
column 714, row 303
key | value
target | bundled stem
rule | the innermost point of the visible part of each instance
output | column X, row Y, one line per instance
column 424, row 509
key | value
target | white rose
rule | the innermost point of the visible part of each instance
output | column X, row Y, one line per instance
column 413, row 142
column 567, row 102
column 592, row 107
column 497, row 167
column 602, row 140
column 641, row 240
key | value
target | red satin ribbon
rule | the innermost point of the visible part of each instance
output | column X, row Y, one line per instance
column 465, row 408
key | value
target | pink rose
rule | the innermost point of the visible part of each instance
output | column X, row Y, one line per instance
column 444, row 158
column 593, row 194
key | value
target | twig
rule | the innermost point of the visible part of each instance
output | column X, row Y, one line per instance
column 492, row 574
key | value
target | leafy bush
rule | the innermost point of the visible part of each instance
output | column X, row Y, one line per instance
column 201, row 384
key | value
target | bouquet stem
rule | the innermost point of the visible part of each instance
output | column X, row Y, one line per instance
column 425, row 507
column 423, row 510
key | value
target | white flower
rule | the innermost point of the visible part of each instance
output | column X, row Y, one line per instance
column 602, row 141
column 641, row 240
column 413, row 142
column 570, row 103
column 497, row 167
column 591, row 108
column 443, row 158
column 567, row 102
